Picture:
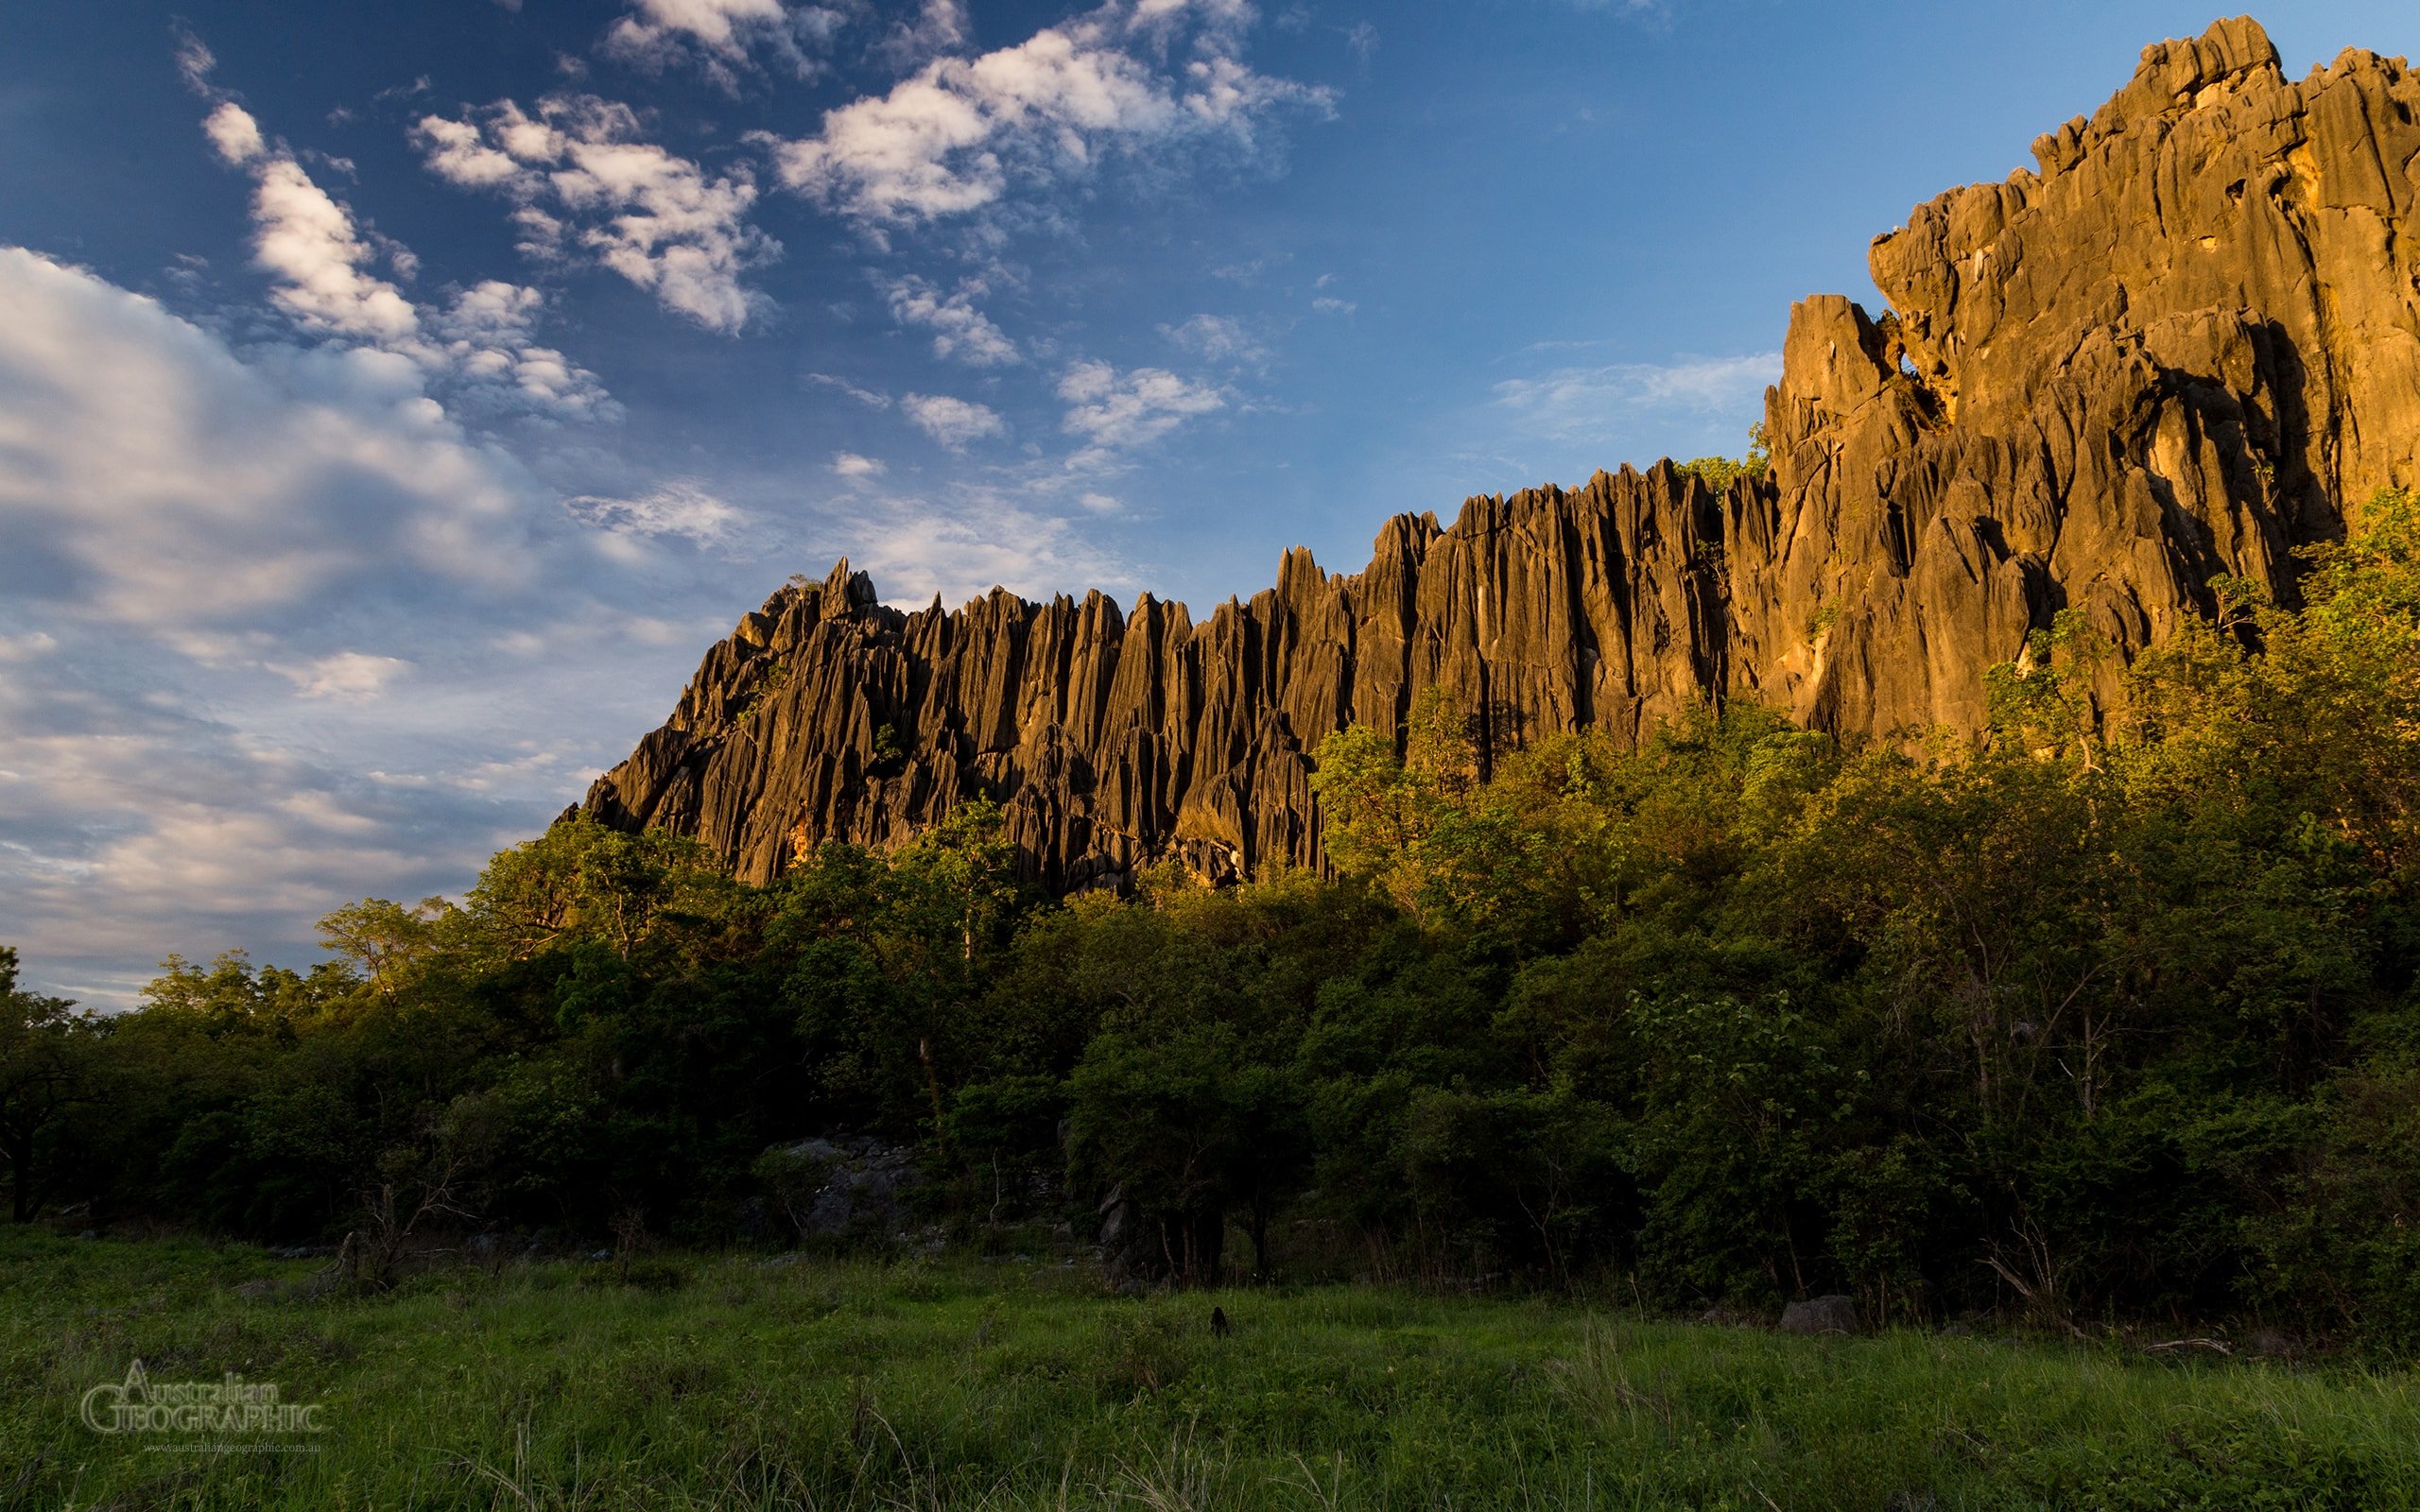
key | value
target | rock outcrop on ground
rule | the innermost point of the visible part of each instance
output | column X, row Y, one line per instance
column 2185, row 343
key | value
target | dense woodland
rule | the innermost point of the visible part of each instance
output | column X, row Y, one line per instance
column 2112, row 1017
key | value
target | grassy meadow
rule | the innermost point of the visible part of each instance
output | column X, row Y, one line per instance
column 733, row 1381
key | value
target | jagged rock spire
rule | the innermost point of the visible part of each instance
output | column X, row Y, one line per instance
column 2185, row 343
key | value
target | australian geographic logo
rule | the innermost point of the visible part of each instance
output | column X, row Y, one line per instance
column 230, row 1406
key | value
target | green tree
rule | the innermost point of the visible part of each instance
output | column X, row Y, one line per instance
column 889, row 961
column 1721, row 473
column 584, row 880
column 387, row 940
column 48, row 1067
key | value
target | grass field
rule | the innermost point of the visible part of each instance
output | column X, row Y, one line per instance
column 729, row 1381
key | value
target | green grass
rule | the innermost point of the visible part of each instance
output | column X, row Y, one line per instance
column 727, row 1382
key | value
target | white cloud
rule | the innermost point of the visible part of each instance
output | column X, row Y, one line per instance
column 1119, row 410
column 1326, row 306
column 682, row 508
column 960, row 330
column 951, row 422
column 349, row 676
column 721, row 36
column 309, row 242
column 581, row 179
column 234, row 133
column 949, row 140
column 1217, row 338
column 1584, row 403
column 850, row 465
column 457, row 152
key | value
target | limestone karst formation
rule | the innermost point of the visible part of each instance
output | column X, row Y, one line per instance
column 2186, row 342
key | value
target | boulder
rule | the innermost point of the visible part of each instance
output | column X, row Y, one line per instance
column 1822, row 1315
column 842, row 1188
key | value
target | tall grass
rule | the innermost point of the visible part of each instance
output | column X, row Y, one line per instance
column 730, row 1382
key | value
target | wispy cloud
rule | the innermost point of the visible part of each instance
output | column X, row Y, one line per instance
column 918, row 547
column 683, row 508
column 1218, row 338
column 870, row 398
column 195, row 61
column 1636, row 9
column 938, row 26
column 1585, row 404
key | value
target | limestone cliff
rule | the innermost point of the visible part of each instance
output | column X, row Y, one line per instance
column 2187, row 343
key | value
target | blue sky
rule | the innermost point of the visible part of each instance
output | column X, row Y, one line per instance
column 396, row 396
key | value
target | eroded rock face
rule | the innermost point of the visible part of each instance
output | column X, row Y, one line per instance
column 2187, row 344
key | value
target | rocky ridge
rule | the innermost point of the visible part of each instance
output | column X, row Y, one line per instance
column 2186, row 342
